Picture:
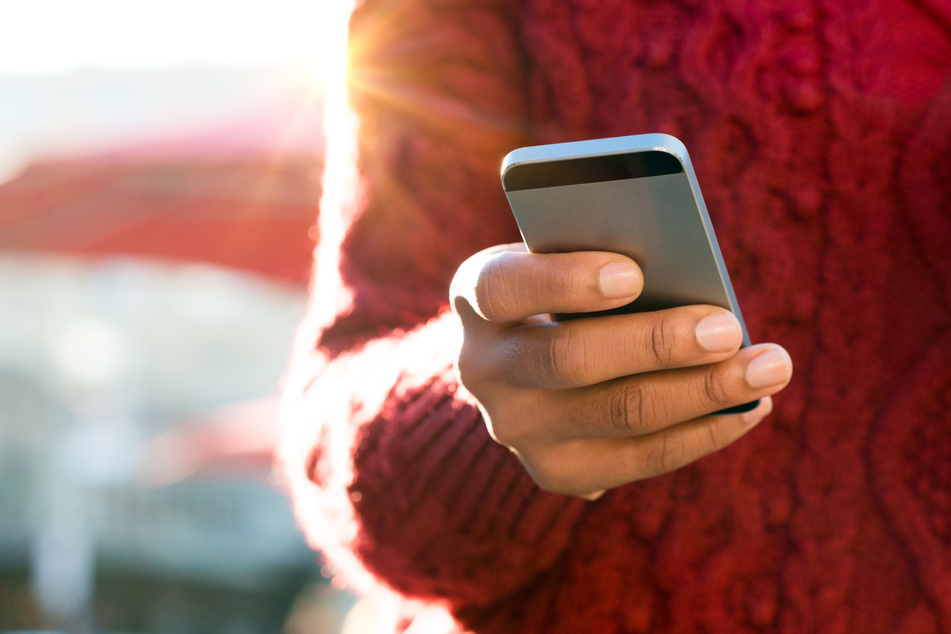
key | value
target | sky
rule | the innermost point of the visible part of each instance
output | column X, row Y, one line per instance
column 79, row 76
column 40, row 37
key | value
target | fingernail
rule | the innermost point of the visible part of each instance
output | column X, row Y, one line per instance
column 760, row 412
column 719, row 332
column 769, row 368
column 619, row 279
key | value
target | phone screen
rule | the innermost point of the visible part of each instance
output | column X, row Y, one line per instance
column 638, row 204
column 634, row 195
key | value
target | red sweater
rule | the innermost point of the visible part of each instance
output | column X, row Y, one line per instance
column 821, row 135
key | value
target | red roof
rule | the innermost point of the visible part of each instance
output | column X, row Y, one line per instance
column 197, row 198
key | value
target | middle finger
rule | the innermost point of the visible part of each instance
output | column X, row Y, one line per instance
column 588, row 351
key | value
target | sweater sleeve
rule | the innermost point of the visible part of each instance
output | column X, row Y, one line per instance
column 393, row 474
column 396, row 479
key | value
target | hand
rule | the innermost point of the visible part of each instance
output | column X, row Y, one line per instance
column 592, row 403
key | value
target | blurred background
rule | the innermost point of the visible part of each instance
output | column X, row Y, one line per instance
column 160, row 168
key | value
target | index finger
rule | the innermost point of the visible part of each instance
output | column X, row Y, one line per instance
column 508, row 284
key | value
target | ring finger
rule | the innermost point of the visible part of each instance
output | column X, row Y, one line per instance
column 645, row 404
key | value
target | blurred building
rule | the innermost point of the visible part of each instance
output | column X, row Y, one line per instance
column 150, row 286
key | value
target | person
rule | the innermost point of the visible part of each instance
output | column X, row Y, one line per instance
column 521, row 475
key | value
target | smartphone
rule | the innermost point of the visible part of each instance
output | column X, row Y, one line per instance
column 634, row 195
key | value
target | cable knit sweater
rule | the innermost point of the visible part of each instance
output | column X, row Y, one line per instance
column 821, row 134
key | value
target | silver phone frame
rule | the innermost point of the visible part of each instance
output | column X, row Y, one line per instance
column 627, row 145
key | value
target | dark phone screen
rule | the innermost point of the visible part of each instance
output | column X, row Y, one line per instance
column 590, row 169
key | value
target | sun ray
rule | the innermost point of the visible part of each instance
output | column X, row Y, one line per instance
column 340, row 180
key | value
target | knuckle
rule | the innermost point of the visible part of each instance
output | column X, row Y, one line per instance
column 501, row 434
column 501, row 429
column 715, row 391
column 464, row 359
column 491, row 289
column 630, row 409
column 557, row 281
column 543, row 478
column 618, row 417
column 547, row 474
column 714, row 439
column 471, row 364
column 666, row 455
column 662, row 341
column 564, row 357
column 561, row 469
column 511, row 421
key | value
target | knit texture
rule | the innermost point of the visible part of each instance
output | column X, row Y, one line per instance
column 820, row 133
